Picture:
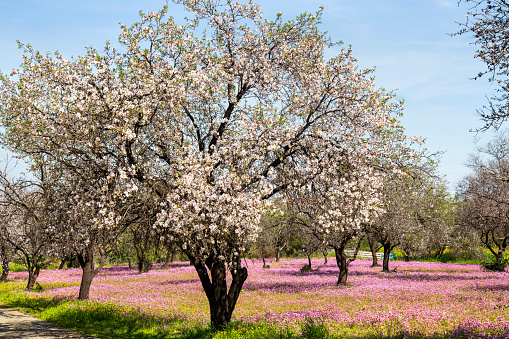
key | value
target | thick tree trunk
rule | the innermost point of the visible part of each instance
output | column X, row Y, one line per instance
column 221, row 300
column 387, row 254
column 144, row 265
column 86, row 260
column 342, row 263
column 86, row 280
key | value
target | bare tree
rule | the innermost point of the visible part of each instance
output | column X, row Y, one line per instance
column 26, row 227
column 485, row 199
column 488, row 23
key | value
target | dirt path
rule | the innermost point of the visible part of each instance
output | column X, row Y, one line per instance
column 14, row 324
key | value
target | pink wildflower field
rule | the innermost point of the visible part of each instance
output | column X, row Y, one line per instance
column 425, row 298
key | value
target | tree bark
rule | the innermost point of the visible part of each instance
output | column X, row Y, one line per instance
column 387, row 254
column 33, row 274
column 324, row 257
column 168, row 261
column 222, row 301
column 5, row 263
column 62, row 264
column 277, row 252
column 373, row 250
column 342, row 263
column 144, row 264
column 86, row 260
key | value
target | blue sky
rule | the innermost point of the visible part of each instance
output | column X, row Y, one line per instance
column 406, row 40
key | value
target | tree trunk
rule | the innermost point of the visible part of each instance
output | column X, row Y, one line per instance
column 86, row 280
column 341, row 259
column 387, row 254
column 221, row 300
column 278, row 250
column 5, row 265
column 33, row 274
column 373, row 250
column 278, row 253
column 86, row 260
column 325, row 257
column 309, row 262
column 144, row 264
column 168, row 261
column 62, row 264
column 342, row 263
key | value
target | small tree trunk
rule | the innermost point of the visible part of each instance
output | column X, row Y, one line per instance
column 373, row 250
column 324, row 257
column 5, row 268
column 407, row 256
column 278, row 250
column 33, row 274
column 278, row 253
column 62, row 264
column 309, row 261
column 168, row 261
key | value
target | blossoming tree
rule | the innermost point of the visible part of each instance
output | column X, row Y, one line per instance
column 216, row 117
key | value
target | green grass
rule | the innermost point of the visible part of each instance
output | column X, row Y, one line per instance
column 110, row 321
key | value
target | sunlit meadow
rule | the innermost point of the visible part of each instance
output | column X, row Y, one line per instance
column 418, row 299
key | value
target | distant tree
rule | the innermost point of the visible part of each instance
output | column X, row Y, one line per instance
column 26, row 226
column 485, row 199
column 439, row 221
column 333, row 211
column 408, row 202
column 276, row 231
column 488, row 23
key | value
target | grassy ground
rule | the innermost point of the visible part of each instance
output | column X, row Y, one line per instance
column 420, row 300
